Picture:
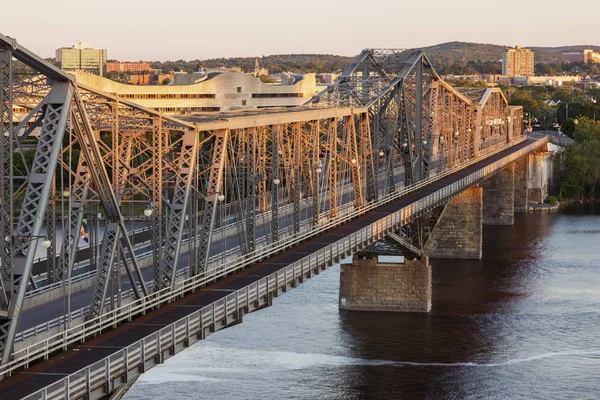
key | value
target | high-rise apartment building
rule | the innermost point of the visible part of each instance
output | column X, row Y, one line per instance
column 82, row 57
column 518, row 62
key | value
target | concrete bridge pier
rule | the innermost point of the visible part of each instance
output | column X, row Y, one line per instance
column 458, row 232
column 499, row 197
column 385, row 283
column 540, row 175
column 521, row 178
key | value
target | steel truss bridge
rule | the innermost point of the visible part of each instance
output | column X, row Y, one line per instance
column 214, row 197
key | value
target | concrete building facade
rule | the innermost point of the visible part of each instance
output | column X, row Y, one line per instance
column 210, row 92
column 82, row 57
column 585, row 56
column 518, row 62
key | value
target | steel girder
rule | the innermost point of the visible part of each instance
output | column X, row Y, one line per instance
column 178, row 206
column 213, row 190
column 296, row 196
column 156, row 203
column 355, row 164
column 332, row 153
column 404, row 109
column 313, row 164
column 78, row 194
column 275, row 181
column 96, row 167
column 251, row 180
column 27, row 233
column 6, row 173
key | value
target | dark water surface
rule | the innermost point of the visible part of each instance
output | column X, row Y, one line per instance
column 523, row 323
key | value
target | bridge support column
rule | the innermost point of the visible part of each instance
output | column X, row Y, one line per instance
column 540, row 174
column 458, row 232
column 369, row 284
column 521, row 176
column 499, row 197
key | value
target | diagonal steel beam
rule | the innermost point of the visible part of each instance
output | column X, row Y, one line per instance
column 178, row 206
column 215, row 185
column 6, row 173
column 58, row 104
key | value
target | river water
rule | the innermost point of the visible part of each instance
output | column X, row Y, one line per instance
column 522, row 323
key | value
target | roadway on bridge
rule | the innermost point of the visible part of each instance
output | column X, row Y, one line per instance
column 47, row 372
column 55, row 308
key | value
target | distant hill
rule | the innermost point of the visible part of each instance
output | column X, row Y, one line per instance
column 301, row 63
column 463, row 52
column 444, row 56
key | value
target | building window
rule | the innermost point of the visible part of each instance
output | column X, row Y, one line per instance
column 244, row 102
column 275, row 95
column 239, row 89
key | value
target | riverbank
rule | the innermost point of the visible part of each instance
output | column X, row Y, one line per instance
column 544, row 207
column 585, row 206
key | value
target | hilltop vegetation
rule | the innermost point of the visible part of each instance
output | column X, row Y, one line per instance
column 300, row 63
column 447, row 58
column 579, row 176
column 464, row 52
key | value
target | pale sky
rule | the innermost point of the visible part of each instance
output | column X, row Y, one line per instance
column 201, row 29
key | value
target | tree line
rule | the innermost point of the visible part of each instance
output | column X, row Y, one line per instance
column 579, row 173
column 299, row 63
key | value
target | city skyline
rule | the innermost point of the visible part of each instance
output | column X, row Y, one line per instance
column 188, row 30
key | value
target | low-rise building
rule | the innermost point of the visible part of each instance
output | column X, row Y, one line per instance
column 544, row 80
column 126, row 66
column 216, row 90
column 584, row 56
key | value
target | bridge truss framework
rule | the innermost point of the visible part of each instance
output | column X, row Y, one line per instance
column 389, row 121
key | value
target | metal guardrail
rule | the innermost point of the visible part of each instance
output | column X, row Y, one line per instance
column 113, row 318
column 166, row 342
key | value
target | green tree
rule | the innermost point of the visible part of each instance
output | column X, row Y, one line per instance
column 580, row 163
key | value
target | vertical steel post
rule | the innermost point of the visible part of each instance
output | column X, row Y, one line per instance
column 275, row 181
column 418, row 167
column 156, row 202
column 6, row 174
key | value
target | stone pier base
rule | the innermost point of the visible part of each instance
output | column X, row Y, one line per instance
column 499, row 197
column 458, row 232
column 540, row 175
column 370, row 284
column 521, row 177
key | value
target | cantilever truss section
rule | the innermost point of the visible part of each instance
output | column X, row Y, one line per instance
column 417, row 119
column 99, row 183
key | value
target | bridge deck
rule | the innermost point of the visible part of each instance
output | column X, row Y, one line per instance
column 45, row 373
